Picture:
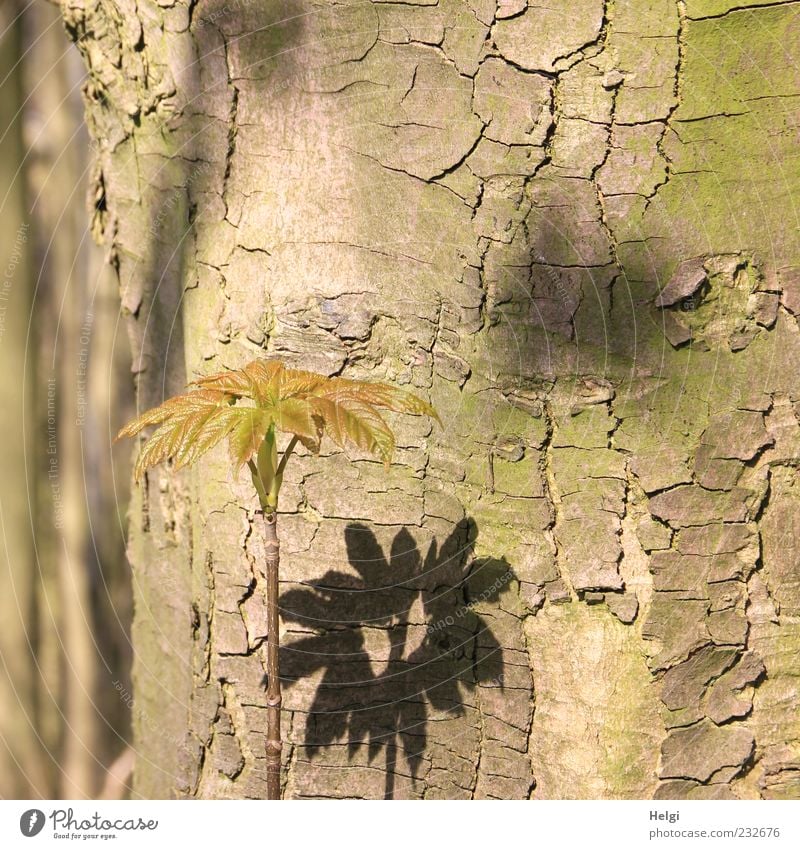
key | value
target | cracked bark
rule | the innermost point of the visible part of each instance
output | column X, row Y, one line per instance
column 483, row 204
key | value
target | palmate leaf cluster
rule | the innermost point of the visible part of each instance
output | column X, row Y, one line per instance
column 249, row 406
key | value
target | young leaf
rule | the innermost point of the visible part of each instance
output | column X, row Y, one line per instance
column 248, row 434
column 300, row 403
column 185, row 421
column 380, row 395
column 180, row 405
column 347, row 420
column 298, row 417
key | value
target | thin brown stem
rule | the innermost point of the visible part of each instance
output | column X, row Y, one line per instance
column 273, row 753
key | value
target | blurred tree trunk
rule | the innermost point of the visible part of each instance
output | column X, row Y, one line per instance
column 56, row 158
column 84, row 617
column 480, row 200
column 64, row 638
column 24, row 771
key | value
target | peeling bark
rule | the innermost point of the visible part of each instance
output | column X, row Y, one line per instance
column 496, row 205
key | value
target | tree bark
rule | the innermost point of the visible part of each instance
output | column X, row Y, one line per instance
column 62, row 725
column 591, row 570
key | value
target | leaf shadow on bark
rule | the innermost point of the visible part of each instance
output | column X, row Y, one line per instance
column 438, row 644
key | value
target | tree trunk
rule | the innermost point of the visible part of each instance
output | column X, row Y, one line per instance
column 18, row 734
column 56, row 159
column 592, row 567
column 63, row 719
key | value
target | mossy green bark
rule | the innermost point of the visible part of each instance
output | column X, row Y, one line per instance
column 488, row 218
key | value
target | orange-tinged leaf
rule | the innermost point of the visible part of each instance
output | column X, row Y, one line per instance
column 380, row 395
column 296, row 416
column 248, row 434
column 253, row 381
column 358, row 423
column 302, row 403
column 207, row 435
column 234, row 382
column 187, row 416
column 296, row 383
column 269, row 381
column 179, row 405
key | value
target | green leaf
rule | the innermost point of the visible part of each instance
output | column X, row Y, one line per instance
column 178, row 407
column 352, row 421
column 183, row 420
column 299, row 417
column 380, row 395
column 266, row 462
column 300, row 403
column 248, row 434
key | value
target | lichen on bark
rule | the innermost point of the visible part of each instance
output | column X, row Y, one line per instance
column 481, row 201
